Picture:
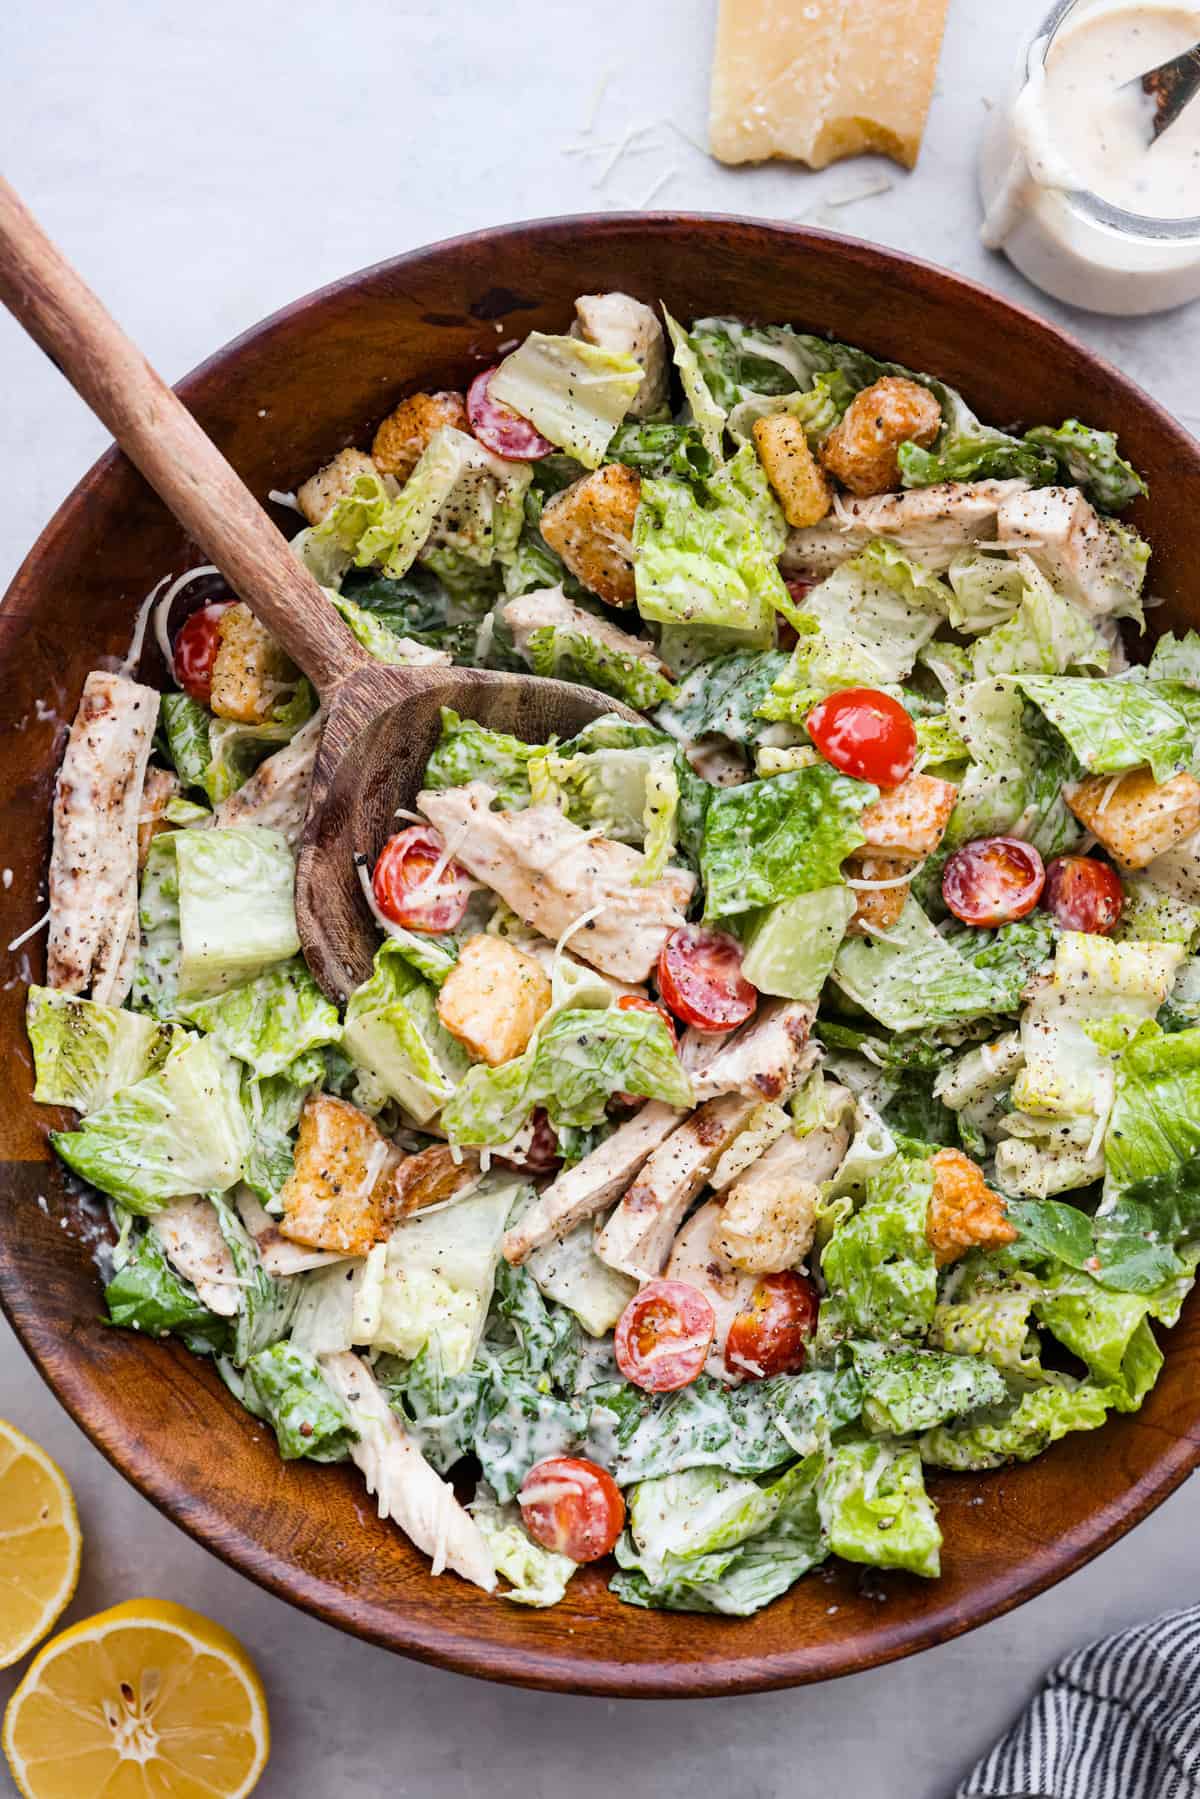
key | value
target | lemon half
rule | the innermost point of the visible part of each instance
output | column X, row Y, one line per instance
column 146, row 1701
column 39, row 1544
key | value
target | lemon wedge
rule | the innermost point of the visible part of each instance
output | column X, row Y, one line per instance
column 39, row 1544
column 146, row 1698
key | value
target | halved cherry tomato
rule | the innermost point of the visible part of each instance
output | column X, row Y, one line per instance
column 866, row 734
column 700, row 977
column 993, row 880
column 500, row 429
column 771, row 1335
column 195, row 650
column 572, row 1507
column 541, row 1152
column 664, row 1335
column 404, row 889
column 796, row 587
column 1083, row 894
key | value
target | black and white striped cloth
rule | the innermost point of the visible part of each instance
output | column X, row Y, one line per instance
column 1119, row 1719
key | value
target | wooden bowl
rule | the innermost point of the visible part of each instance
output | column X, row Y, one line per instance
column 280, row 401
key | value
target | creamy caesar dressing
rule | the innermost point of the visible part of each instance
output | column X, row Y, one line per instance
column 1076, row 140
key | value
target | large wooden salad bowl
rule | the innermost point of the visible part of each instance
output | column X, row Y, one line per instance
column 280, row 401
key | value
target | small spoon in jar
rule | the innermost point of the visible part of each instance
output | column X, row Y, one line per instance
column 1171, row 85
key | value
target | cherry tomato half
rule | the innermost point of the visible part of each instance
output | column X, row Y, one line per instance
column 500, row 429
column 572, row 1507
column 771, row 1335
column 993, row 880
column 195, row 650
column 541, row 1152
column 866, row 734
column 700, row 977
column 1083, row 894
column 403, row 887
column 664, row 1335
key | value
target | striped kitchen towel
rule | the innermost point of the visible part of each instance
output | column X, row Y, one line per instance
column 1119, row 1719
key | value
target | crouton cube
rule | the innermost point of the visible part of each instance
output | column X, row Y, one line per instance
column 433, row 1176
column 909, row 820
column 964, row 1213
column 767, row 1223
column 339, row 1194
column 250, row 672
column 877, row 908
column 861, row 450
column 590, row 525
column 1136, row 817
column 322, row 491
column 792, row 469
column 405, row 434
column 493, row 999
column 158, row 789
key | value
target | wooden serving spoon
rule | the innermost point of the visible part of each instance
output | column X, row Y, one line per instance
column 381, row 722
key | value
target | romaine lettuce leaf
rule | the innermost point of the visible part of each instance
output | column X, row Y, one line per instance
column 273, row 1104
column 537, row 1576
column 1155, row 1121
column 294, row 1397
column 1019, row 1432
column 708, row 415
column 1116, row 725
column 237, row 911
column 1046, row 635
column 156, row 971
column 392, row 1030
column 570, row 1272
column 176, row 1132
column 268, row 1305
column 573, row 392
column 790, row 947
column 913, row 976
column 420, row 606
column 1108, row 1331
column 874, row 1507
column 459, row 497
column 270, row 1021
column 218, row 755
column 907, row 1390
column 721, row 697
column 563, row 654
column 146, row 1294
column 878, row 1268
column 468, row 751
column 739, row 362
column 377, row 637
column 768, row 840
column 696, row 1512
column 985, row 1311
column 699, row 560
column 84, row 1052
column 660, row 448
column 1017, row 772
column 1088, row 458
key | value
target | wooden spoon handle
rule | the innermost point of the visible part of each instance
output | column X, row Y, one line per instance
column 159, row 435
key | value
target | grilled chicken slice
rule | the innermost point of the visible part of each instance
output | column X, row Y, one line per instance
column 698, row 1259
column 637, row 1238
column 190, row 1234
column 276, row 795
column 769, row 1212
column 1077, row 551
column 406, row 1488
column 595, row 1182
column 765, row 1059
column 94, row 858
column 619, row 322
column 550, row 873
column 930, row 523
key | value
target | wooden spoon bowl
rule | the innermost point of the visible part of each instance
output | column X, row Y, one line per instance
column 280, row 402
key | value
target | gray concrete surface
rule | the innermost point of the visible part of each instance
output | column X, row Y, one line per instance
column 203, row 165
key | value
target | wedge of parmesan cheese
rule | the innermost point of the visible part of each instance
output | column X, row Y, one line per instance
column 817, row 81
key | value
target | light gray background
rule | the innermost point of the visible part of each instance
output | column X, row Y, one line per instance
column 205, row 163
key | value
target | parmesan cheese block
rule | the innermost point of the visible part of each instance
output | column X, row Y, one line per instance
column 815, row 80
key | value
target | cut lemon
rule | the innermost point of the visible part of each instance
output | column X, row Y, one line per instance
column 39, row 1544
column 146, row 1701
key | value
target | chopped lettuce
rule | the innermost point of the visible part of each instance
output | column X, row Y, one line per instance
column 790, row 947
column 307, row 1416
column 1046, row 635
column 146, row 1294
column 768, row 840
column 573, row 1068
column 1155, row 1121
column 1018, row 768
column 1089, row 458
column 176, row 1132
column 985, row 1311
column 377, row 637
column 468, row 751
column 459, row 497
column 269, row 1022
column 913, row 976
column 907, row 1390
column 565, row 654
column 1019, row 1431
column 708, row 415
column 694, row 1513
column 570, row 1271
column 422, row 607
column 218, row 755
column 874, row 1507
column 156, row 971
column 721, row 697
column 653, row 447
column 237, row 911
column 84, row 1052
column 1113, row 726
column 574, row 393
column 878, row 1268
column 700, row 560
column 392, row 1030
column 536, row 1576
column 268, row 1305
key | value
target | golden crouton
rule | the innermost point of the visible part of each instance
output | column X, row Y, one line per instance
column 792, row 469
column 1135, row 817
column 339, row 1194
column 590, row 525
column 964, row 1213
column 908, row 820
column 158, row 789
column 767, row 1223
column 322, row 491
column 876, row 908
column 433, row 1176
column 404, row 435
column 493, row 998
column 250, row 672
column 861, row 450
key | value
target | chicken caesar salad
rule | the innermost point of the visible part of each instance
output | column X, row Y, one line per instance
column 778, row 1090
